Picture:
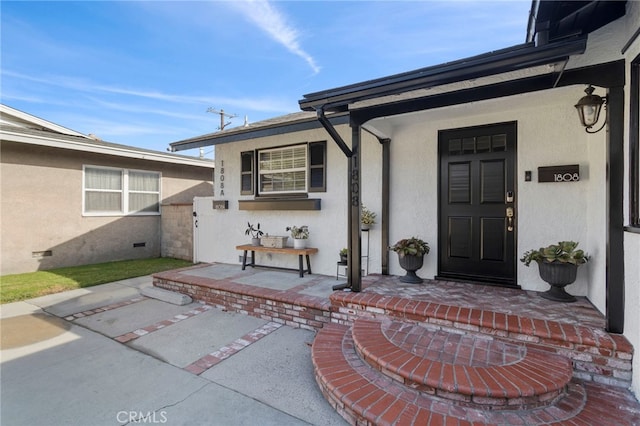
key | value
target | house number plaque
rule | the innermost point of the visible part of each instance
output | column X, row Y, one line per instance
column 220, row 204
column 569, row 173
column 221, row 178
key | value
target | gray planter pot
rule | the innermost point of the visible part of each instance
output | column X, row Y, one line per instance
column 558, row 276
column 411, row 264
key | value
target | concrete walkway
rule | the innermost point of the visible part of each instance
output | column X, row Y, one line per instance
column 108, row 356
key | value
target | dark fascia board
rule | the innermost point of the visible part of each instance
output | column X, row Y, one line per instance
column 498, row 62
column 566, row 18
column 610, row 74
column 243, row 134
column 581, row 17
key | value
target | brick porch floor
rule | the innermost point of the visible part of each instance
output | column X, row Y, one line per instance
column 315, row 290
column 465, row 347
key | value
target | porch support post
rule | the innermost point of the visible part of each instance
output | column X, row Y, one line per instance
column 615, row 215
column 384, row 225
column 354, row 263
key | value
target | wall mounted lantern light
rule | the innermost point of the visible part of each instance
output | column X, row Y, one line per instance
column 589, row 107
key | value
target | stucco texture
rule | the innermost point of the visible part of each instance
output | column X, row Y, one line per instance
column 42, row 209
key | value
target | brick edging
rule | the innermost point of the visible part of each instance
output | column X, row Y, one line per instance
column 295, row 310
column 596, row 354
column 535, row 379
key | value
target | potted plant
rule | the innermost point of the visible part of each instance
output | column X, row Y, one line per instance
column 255, row 233
column 558, row 266
column 343, row 256
column 411, row 252
column 300, row 234
column 367, row 218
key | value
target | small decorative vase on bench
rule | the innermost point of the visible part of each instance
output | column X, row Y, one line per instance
column 299, row 235
column 255, row 233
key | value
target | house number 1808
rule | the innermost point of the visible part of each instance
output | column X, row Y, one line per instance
column 566, row 177
column 222, row 178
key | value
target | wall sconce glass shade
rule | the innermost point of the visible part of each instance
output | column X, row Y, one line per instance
column 589, row 107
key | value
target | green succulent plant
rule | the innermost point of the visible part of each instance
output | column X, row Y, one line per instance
column 563, row 252
column 299, row 232
column 368, row 217
column 254, row 231
column 411, row 246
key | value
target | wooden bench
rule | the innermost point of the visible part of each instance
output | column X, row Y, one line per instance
column 285, row 250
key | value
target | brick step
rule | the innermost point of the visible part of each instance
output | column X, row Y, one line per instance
column 364, row 396
column 596, row 355
column 474, row 370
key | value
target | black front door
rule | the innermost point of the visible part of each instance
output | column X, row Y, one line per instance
column 477, row 204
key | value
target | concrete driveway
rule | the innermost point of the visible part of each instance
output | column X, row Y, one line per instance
column 109, row 356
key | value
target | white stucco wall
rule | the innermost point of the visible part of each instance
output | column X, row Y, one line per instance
column 328, row 226
column 548, row 134
column 632, row 302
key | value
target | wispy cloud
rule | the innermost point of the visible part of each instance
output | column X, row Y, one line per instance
column 90, row 89
column 269, row 19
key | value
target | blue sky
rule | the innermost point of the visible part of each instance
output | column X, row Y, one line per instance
column 144, row 73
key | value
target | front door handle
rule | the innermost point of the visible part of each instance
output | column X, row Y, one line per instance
column 509, row 214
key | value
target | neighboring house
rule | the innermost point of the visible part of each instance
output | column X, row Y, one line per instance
column 69, row 199
column 444, row 152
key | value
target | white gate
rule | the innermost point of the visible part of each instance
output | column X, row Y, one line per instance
column 203, row 232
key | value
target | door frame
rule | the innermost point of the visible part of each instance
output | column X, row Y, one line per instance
column 511, row 282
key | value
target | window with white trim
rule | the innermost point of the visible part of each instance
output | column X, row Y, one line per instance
column 111, row 191
column 282, row 170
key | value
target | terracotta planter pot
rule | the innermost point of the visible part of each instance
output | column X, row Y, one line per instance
column 411, row 264
column 558, row 276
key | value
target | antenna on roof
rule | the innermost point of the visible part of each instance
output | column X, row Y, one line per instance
column 222, row 115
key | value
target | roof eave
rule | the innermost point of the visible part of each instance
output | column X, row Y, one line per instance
column 247, row 133
column 76, row 143
column 511, row 59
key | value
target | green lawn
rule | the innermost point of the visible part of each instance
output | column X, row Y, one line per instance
column 33, row 284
